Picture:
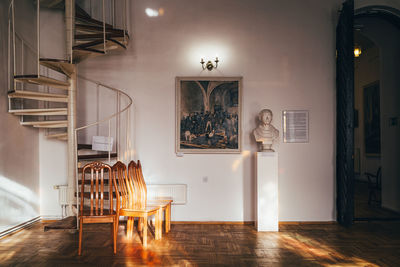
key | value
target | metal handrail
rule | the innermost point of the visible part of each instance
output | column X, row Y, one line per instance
column 111, row 116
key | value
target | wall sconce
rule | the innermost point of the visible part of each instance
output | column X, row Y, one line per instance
column 357, row 51
column 209, row 65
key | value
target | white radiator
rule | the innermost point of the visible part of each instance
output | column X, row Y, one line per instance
column 175, row 191
column 62, row 198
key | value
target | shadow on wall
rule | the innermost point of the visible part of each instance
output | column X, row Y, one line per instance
column 18, row 204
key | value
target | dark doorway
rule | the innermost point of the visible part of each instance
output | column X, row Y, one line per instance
column 376, row 185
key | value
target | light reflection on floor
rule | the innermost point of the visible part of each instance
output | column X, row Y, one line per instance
column 309, row 248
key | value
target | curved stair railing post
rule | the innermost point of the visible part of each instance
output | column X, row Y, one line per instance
column 72, row 144
column 104, row 120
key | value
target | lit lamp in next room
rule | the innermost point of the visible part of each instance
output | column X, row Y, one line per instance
column 209, row 65
column 357, row 51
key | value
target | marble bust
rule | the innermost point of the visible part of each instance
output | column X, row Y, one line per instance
column 265, row 133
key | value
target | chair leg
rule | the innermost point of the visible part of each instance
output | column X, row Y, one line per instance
column 140, row 224
column 128, row 228
column 132, row 225
column 159, row 223
column 145, row 231
column 168, row 218
column 116, row 225
column 80, row 237
column 114, row 235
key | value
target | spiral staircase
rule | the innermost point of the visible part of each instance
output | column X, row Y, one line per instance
column 47, row 99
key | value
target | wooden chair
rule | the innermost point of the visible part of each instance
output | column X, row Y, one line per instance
column 136, row 173
column 374, row 186
column 129, row 204
column 93, row 175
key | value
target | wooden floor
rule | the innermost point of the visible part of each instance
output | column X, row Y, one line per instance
column 364, row 244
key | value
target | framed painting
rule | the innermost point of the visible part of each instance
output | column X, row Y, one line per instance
column 208, row 114
column 372, row 125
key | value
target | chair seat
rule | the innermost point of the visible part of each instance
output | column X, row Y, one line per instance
column 106, row 213
column 147, row 209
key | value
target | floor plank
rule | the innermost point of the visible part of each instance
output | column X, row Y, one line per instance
column 363, row 244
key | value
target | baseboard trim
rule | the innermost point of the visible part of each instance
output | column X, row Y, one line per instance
column 252, row 222
column 307, row 222
column 214, row 222
column 50, row 219
column 19, row 227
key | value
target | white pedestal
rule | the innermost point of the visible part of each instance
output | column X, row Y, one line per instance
column 267, row 191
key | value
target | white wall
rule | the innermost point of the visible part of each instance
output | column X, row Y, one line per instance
column 19, row 164
column 52, row 152
column 386, row 36
column 285, row 51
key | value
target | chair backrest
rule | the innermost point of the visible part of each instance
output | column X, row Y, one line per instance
column 123, row 189
column 135, row 175
column 93, row 174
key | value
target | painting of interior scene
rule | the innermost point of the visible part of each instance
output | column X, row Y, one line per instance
column 209, row 115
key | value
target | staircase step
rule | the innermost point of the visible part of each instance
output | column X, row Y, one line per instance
column 59, row 65
column 46, row 124
column 97, row 29
column 40, row 112
column 88, row 50
column 97, row 156
column 58, row 4
column 42, row 80
column 57, row 135
column 53, row 126
column 81, row 54
column 38, row 96
column 84, row 146
column 93, row 36
column 88, row 19
column 111, row 44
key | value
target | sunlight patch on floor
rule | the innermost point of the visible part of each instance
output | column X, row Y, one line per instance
column 309, row 248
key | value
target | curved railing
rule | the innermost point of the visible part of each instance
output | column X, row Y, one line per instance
column 108, row 119
column 123, row 154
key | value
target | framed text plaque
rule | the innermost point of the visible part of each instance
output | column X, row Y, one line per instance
column 295, row 126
